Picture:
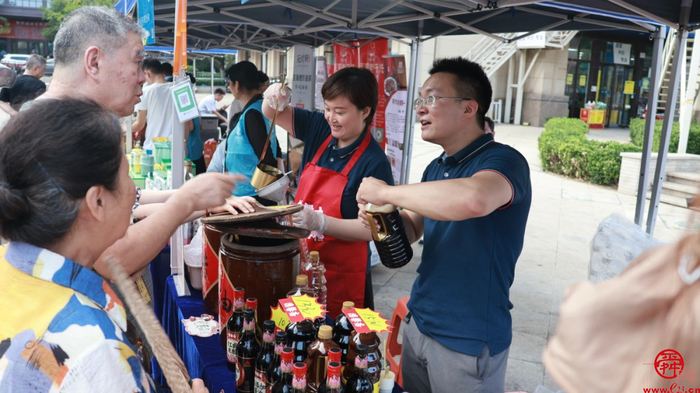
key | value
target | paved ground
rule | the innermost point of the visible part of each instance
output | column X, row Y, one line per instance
column 564, row 216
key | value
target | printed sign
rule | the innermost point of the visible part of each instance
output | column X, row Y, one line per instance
column 185, row 103
column 146, row 20
column 204, row 326
column 303, row 89
column 299, row 308
column 321, row 78
column 629, row 87
column 534, row 41
column 364, row 320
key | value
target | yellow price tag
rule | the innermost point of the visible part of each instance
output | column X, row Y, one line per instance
column 308, row 307
column 280, row 317
column 373, row 320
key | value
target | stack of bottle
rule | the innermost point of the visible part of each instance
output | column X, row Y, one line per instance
column 309, row 356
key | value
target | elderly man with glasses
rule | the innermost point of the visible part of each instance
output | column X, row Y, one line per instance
column 472, row 204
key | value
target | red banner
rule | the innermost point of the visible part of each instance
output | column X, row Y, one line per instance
column 370, row 56
column 23, row 30
column 180, row 51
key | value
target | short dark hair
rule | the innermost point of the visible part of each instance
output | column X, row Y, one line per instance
column 50, row 155
column 220, row 91
column 246, row 74
column 262, row 77
column 167, row 68
column 152, row 65
column 358, row 85
column 490, row 122
column 472, row 82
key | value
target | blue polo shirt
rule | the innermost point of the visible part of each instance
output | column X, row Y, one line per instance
column 461, row 295
column 312, row 128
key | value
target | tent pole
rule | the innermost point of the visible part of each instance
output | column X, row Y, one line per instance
column 657, row 59
column 211, row 75
column 521, row 84
column 671, row 101
column 413, row 80
column 509, row 90
column 688, row 103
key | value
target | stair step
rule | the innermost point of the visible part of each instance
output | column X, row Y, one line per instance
column 671, row 200
column 687, row 178
column 679, row 190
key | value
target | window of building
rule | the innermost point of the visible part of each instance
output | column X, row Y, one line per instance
column 25, row 3
column 585, row 48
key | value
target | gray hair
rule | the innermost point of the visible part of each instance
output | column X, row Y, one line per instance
column 103, row 27
column 35, row 61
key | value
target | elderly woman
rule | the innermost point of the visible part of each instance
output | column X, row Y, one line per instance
column 65, row 197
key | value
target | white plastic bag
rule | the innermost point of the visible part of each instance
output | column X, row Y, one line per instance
column 192, row 253
column 616, row 243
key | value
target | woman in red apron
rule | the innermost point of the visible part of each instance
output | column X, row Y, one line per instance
column 339, row 152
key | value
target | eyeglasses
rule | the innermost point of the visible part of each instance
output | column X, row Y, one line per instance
column 429, row 101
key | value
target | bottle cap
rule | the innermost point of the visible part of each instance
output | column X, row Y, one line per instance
column 334, row 354
column 347, row 305
column 334, row 369
column 302, row 280
column 251, row 302
column 300, row 374
column 325, row 332
column 314, row 255
column 281, row 336
column 249, row 313
column 239, row 293
column 269, row 325
column 287, row 355
column 361, row 349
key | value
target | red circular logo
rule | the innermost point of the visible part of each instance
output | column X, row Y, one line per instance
column 668, row 364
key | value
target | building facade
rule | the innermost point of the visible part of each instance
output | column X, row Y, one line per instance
column 22, row 32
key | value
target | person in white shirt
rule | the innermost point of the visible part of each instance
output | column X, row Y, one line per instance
column 158, row 101
column 208, row 105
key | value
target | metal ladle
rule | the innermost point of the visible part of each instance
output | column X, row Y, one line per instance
column 264, row 174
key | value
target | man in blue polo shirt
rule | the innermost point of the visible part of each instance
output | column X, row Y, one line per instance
column 472, row 204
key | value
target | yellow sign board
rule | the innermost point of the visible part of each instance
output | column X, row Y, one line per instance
column 569, row 79
column 582, row 80
column 629, row 87
column 597, row 117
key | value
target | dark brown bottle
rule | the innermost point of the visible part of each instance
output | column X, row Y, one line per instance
column 284, row 384
column 246, row 352
column 252, row 303
column 391, row 239
column 342, row 331
column 359, row 382
column 264, row 359
column 317, row 359
column 233, row 328
column 333, row 382
column 374, row 355
column 274, row 372
column 299, row 336
column 301, row 287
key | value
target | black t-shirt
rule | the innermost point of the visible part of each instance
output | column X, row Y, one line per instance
column 26, row 88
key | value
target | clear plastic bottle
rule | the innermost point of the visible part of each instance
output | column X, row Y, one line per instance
column 318, row 277
column 301, row 287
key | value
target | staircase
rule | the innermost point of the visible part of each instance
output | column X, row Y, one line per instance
column 668, row 58
column 492, row 54
column 679, row 188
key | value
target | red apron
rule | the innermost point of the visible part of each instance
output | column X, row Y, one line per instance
column 345, row 262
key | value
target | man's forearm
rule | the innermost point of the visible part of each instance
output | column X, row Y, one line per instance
column 446, row 200
column 5, row 106
column 144, row 240
column 350, row 230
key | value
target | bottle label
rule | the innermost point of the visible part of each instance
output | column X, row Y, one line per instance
column 299, row 383
column 231, row 344
column 248, row 325
column 320, row 366
column 260, row 381
column 245, row 381
column 278, row 348
column 268, row 337
column 333, row 382
column 361, row 362
column 286, row 367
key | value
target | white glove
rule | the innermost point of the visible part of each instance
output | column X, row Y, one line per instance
column 277, row 97
column 310, row 219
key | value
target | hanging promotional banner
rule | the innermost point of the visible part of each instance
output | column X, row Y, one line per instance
column 395, row 89
column 303, row 80
column 372, row 57
column 321, row 78
column 180, row 53
column 146, row 21
column 344, row 57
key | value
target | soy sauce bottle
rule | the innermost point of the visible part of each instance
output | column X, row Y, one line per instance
column 342, row 331
column 333, row 382
column 317, row 360
column 246, row 352
column 391, row 239
column 359, row 382
column 264, row 359
column 299, row 336
column 274, row 373
column 284, row 384
column 234, row 327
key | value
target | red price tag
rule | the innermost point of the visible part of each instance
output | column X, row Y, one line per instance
column 356, row 320
column 291, row 309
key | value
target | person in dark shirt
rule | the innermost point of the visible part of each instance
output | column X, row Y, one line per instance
column 27, row 87
column 472, row 204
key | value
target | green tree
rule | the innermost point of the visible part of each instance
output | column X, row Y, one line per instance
column 59, row 9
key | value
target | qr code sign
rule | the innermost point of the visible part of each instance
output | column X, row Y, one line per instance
column 184, row 99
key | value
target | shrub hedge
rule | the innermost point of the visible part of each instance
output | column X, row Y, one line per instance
column 564, row 149
column 637, row 136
